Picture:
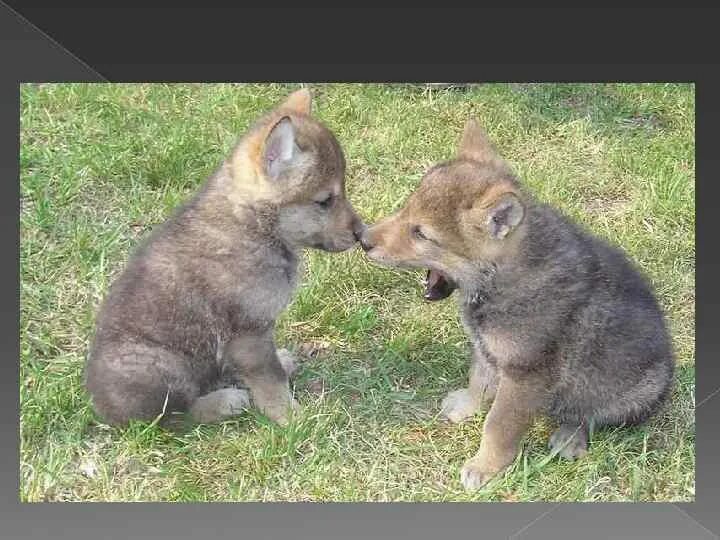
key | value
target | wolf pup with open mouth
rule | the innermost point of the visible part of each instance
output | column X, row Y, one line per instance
column 189, row 323
column 561, row 323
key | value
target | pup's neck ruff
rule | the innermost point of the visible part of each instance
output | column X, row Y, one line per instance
column 478, row 291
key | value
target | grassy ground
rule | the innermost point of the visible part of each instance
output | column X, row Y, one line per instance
column 100, row 164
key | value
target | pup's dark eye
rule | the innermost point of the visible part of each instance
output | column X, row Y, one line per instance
column 417, row 233
column 326, row 202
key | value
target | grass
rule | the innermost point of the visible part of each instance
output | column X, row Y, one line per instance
column 102, row 163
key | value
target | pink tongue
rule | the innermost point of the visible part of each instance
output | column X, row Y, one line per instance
column 436, row 286
column 433, row 279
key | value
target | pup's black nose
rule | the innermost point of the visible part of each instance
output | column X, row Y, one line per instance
column 362, row 236
column 365, row 244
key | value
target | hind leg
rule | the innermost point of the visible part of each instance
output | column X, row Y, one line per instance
column 138, row 382
column 570, row 440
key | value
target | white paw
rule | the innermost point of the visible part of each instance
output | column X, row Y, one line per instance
column 473, row 476
column 282, row 414
column 220, row 404
column 233, row 401
column 459, row 405
column 288, row 361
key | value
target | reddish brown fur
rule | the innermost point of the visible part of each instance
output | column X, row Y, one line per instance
column 451, row 203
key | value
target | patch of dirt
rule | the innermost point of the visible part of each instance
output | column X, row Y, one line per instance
column 314, row 349
column 508, row 496
column 139, row 228
column 316, row 385
column 414, row 436
column 522, row 87
column 607, row 207
column 641, row 121
column 576, row 104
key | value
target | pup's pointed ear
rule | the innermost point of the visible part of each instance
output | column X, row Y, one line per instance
column 475, row 144
column 280, row 149
column 499, row 216
column 299, row 101
column 504, row 215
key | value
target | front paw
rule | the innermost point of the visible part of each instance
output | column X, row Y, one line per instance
column 277, row 406
column 459, row 405
column 475, row 475
column 281, row 413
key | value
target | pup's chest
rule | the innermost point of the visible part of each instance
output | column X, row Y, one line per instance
column 487, row 329
column 269, row 296
column 257, row 286
column 266, row 293
column 477, row 313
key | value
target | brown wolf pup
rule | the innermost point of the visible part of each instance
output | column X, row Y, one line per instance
column 188, row 325
column 560, row 322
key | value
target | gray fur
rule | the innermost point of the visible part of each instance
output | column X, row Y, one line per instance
column 561, row 322
column 194, row 310
column 576, row 306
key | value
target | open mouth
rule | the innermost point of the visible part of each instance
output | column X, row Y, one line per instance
column 438, row 286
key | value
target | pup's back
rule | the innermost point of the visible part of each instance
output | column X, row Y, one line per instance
column 589, row 313
column 615, row 358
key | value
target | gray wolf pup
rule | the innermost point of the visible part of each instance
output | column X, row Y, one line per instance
column 560, row 322
column 188, row 325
